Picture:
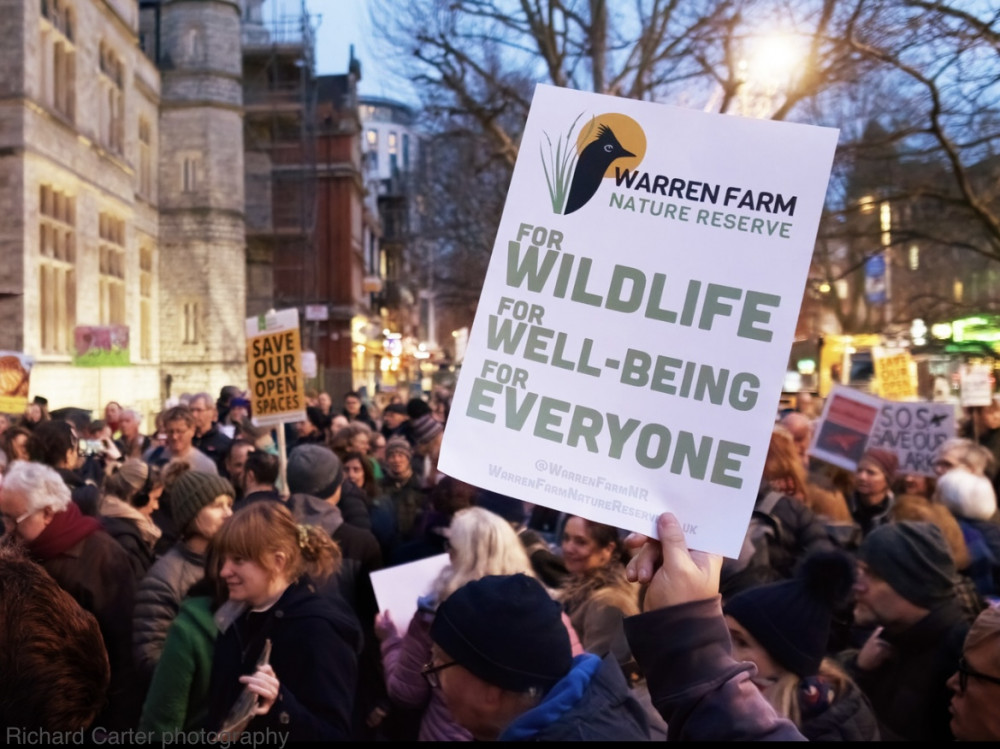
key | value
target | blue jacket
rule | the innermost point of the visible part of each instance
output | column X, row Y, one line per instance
column 591, row 703
column 701, row 691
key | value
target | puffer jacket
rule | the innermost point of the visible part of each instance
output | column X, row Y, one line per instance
column 591, row 703
column 157, row 602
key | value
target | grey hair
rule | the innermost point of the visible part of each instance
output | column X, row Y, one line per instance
column 208, row 399
column 974, row 457
column 39, row 484
column 132, row 413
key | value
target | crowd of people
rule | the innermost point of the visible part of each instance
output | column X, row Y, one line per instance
column 185, row 578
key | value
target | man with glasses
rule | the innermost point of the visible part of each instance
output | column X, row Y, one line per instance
column 179, row 428
column 975, row 704
column 905, row 594
column 207, row 436
column 38, row 512
column 519, row 681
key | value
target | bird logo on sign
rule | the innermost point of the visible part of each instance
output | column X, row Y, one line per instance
column 575, row 171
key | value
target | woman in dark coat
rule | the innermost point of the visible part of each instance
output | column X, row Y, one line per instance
column 784, row 629
column 271, row 568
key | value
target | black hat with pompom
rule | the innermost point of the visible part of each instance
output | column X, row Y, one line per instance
column 791, row 619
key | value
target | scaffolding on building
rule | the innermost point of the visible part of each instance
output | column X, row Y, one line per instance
column 279, row 99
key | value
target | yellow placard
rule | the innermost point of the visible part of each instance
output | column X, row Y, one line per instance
column 896, row 376
column 277, row 386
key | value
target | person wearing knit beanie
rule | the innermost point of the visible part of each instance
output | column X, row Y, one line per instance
column 498, row 681
column 398, row 445
column 872, row 498
column 425, row 429
column 905, row 594
column 784, row 629
column 913, row 558
column 193, row 491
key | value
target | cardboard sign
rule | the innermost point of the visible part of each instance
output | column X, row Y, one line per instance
column 15, row 376
column 853, row 421
column 632, row 334
column 975, row 385
column 274, row 364
column 896, row 374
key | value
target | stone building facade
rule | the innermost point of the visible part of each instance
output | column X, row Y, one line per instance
column 121, row 185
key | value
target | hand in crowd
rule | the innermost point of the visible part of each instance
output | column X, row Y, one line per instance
column 385, row 627
column 874, row 652
column 264, row 683
column 674, row 574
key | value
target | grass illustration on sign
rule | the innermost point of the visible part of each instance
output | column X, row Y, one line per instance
column 574, row 174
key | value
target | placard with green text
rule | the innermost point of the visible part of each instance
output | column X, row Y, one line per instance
column 634, row 326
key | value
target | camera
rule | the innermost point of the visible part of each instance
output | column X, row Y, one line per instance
column 91, row 447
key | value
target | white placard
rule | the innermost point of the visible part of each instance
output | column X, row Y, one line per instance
column 397, row 588
column 976, row 385
column 633, row 330
column 914, row 431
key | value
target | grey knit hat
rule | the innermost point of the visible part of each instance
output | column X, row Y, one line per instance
column 914, row 559
column 314, row 470
column 194, row 490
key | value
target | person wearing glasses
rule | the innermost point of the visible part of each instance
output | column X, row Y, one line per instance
column 480, row 543
column 520, row 681
column 90, row 565
column 975, row 702
column 905, row 593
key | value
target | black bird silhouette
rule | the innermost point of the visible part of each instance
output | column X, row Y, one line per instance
column 591, row 166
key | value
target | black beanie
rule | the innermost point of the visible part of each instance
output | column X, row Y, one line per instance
column 530, row 650
column 914, row 559
column 791, row 619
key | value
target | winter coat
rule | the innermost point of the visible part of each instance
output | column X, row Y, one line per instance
column 869, row 518
column 136, row 533
column 315, row 642
column 178, row 696
column 215, row 445
column 353, row 506
column 795, row 531
column 95, row 570
column 849, row 718
column 596, row 603
column 908, row 691
column 591, row 703
column 157, row 602
column 403, row 657
column 701, row 691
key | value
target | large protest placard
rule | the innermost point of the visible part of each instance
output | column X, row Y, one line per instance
column 633, row 330
column 15, row 377
column 853, row 421
column 274, row 366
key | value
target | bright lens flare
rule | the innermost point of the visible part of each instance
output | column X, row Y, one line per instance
column 776, row 57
